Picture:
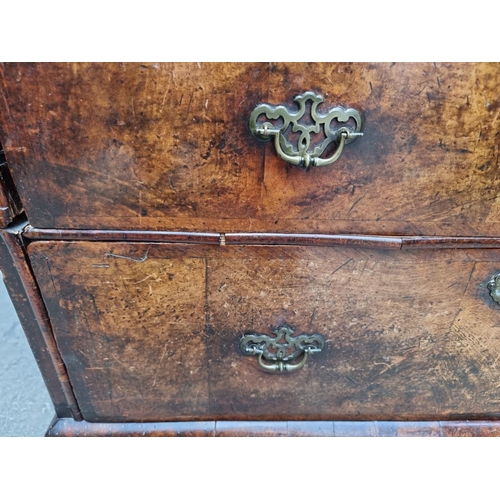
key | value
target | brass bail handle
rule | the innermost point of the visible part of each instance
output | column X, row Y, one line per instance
column 281, row 366
column 301, row 154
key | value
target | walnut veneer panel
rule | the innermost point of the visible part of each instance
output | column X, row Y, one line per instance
column 167, row 147
column 150, row 332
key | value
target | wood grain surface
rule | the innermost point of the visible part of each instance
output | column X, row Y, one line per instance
column 150, row 332
column 167, row 147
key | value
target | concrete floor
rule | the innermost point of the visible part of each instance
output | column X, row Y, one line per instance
column 25, row 406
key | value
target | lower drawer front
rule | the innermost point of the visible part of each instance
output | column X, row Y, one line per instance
column 152, row 332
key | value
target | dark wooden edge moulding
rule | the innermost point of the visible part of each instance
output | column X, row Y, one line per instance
column 32, row 314
column 69, row 428
column 372, row 241
column 5, row 210
column 10, row 204
column 32, row 233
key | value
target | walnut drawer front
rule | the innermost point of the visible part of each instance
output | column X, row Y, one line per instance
column 168, row 146
column 151, row 332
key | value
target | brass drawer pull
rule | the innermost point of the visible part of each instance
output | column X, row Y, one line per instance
column 308, row 148
column 282, row 348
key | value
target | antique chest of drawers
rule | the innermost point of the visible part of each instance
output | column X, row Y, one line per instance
column 247, row 249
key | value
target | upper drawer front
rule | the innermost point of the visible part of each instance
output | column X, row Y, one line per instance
column 168, row 146
column 153, row 331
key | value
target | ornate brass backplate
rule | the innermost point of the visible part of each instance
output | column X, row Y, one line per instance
column 282, row 348
column 306, row 152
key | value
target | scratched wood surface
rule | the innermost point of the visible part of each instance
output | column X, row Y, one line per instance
column 150, row 332
column 167, row 146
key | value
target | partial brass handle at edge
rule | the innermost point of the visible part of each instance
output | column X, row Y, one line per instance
column 282, row 348
column 494, row 287
column 301, row 155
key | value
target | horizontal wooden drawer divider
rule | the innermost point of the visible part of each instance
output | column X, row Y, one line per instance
column 263, row 238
